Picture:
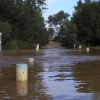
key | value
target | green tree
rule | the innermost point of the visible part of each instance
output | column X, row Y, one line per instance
column 27, row 23
column 67, row 31
column 57, row 20
column 70, row 34
column 87, row 20
column 6, row 29
column 51, row 32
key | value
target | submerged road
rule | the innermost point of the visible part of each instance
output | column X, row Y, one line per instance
column 57, row 73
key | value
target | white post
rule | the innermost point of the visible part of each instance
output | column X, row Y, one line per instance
column 22, row 88
column 21, row 72
column 74, row 46
column 87, row 49
column 37, row 47
column 79, row 46
column 0, row 41
column 31, row 62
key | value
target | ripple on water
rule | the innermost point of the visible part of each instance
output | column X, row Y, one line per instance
column 2, row 91
column 6, row 97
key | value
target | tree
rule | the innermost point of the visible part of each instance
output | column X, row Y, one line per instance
column 6, row 29
column 67, row 31
column 26, row 21
column 87, row 20
column 57, row 20
column 51, row 32
column 69, row 34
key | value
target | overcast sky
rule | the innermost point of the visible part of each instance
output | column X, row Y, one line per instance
column 54, row 6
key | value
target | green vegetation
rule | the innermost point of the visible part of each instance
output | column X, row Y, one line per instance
column 82, row 28
column 87, row 19
column 22, row 24
column 14, row 44
column 51, row 32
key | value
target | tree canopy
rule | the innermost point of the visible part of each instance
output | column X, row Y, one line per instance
column 24, row 21
column 65, row 30
column 87, row 19
column 82, row 28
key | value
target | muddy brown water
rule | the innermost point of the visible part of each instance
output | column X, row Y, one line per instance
column 57, row 74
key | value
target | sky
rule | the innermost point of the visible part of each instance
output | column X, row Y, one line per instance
column 54, row 6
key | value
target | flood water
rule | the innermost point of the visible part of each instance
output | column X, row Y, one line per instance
column 57, row 74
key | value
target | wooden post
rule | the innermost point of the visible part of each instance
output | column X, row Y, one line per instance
column 21, row 72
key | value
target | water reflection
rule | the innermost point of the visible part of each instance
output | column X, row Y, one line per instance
column 56, row 74
column 1, row 74
column 22, row 88
column 33, row 89
column 31, row 63
column 88, row 52
column 87, row 77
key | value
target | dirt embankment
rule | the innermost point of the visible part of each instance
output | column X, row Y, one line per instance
column 53, row 44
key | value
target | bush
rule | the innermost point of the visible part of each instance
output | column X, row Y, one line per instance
column 14, row 44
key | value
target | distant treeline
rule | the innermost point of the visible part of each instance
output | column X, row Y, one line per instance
column 22, row 24
column 82, row 28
